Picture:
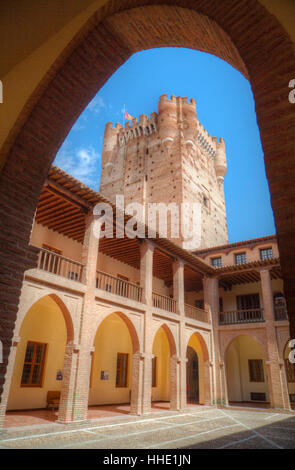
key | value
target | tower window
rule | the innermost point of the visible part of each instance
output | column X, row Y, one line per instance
column 240, row 258
column 266, row 253
column 216, row 262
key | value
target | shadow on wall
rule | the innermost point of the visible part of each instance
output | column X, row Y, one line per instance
column 277, row 435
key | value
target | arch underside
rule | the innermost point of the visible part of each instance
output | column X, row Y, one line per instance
column 241, row 32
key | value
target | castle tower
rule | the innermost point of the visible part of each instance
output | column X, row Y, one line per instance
column 169, row 158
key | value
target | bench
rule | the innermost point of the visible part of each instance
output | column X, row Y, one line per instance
column 53, row 398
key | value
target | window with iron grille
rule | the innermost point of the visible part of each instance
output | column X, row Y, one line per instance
column 33, row 364
column 240, row 258
column 290, row 371
column 256, row 373
column 266, row 253
column 216, row 262
column 154, row 372
column 122, row 368
column 258, row 396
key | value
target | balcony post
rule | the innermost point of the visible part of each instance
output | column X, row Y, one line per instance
column 180, row 400
column 178, row 285
column 146, row 282
column 211, row 304
column 278, row 387
column 89, row 252
column 74, row 402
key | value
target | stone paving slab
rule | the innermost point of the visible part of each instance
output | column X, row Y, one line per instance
column 209, row 428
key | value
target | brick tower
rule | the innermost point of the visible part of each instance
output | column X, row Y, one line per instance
column 169, row 158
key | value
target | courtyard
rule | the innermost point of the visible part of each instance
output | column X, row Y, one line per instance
column 195, row 428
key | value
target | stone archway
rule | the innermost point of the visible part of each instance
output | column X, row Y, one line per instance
column 82, row 69
column 198, row 344
column 246, row 370
column 49, row 323
column 166, row 363
column 134, row 379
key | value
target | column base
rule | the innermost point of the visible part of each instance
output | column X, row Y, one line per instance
column 78, row 422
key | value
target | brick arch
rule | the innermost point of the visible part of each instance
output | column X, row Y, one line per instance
column 170, row 337
column 233, row 337
column 67, row 317
column 207, row 383
column 64, row 310
column 285, row 345
column 130, row 327
column 203, row 344
column 85, row 65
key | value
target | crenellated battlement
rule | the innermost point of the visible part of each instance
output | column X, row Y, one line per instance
column 207, row 142
column 164, row 98
column 168, row 157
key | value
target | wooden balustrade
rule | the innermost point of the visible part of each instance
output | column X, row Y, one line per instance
column 234, row 317
column 196, row 313
column 118, row 286
column 57, row 264
column 163, row 302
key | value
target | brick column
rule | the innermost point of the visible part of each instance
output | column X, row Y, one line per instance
column 278, row 387
column 75, row 388
column 180, row 401
column 136, row 388
column 211, row 304
column 8, row 378
column 146, row 282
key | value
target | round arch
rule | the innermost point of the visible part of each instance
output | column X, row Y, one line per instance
column 46, row 329
column 115, row 365
column 101, row 48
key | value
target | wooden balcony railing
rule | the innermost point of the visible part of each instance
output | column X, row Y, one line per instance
column 118, row 286
column 241, row 316
column 196, row 313
column 164, row 303
column 280, row 313
column 57, row 264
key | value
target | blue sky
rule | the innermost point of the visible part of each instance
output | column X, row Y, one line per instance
column 225, row 106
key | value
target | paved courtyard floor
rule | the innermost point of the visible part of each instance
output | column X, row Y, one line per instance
column 198, row 427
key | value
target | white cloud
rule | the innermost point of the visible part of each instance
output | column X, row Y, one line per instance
column 96, row 105
column 82, row 163
column 78, row 127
